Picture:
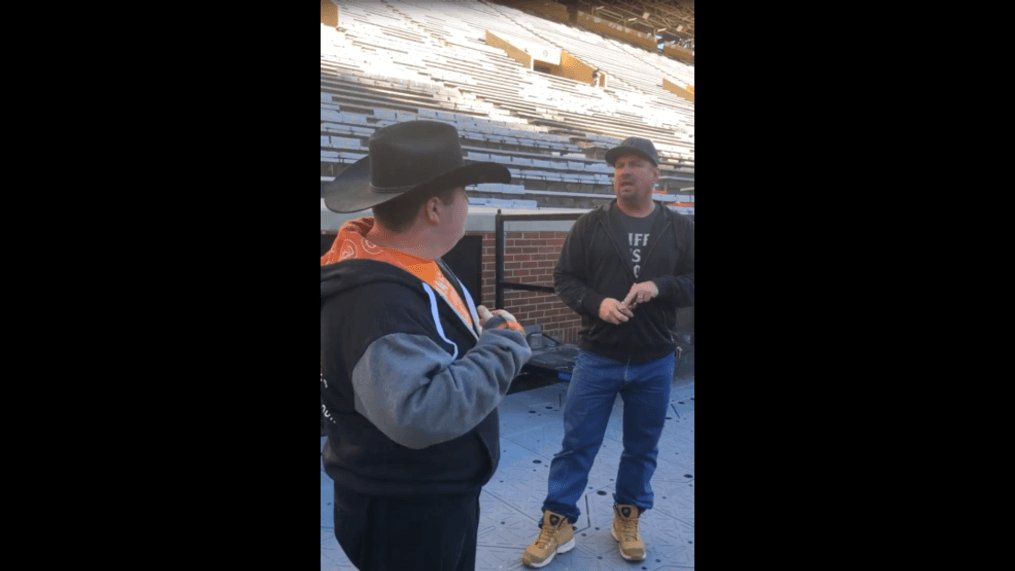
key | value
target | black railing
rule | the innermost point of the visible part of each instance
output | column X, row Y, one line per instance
column 499, row 220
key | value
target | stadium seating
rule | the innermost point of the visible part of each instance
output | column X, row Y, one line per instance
column 398, row 60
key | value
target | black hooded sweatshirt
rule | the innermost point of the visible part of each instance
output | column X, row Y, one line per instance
column 594, row 264
column 409, row 390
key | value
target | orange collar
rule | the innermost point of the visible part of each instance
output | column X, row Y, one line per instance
column 351, row 244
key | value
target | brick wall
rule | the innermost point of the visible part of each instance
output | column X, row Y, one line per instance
column 529, row 258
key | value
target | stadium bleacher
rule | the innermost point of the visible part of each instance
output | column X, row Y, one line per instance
column 396, row 60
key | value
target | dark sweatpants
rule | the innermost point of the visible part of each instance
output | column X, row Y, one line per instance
column 421, row 533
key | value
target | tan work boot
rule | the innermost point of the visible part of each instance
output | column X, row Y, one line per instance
column 625, row 530
column 555, row 536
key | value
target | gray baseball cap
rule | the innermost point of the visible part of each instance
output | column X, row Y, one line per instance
column 641, row 146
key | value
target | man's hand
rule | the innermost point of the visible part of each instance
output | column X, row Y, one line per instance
column 613, row 311
column 486, row 315
column 640, row 293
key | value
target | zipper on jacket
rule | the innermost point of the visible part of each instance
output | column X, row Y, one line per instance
column 609, row 234
column 653, row 247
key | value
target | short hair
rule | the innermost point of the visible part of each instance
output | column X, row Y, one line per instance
column 397, row 215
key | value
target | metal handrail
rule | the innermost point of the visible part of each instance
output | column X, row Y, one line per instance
column 500, row 285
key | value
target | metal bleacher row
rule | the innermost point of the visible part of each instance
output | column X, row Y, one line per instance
column 394, row 61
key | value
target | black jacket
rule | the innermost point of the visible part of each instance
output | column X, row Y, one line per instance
column 409, row 390
column 594, row 264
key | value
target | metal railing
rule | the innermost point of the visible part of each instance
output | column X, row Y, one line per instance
column 499, row 220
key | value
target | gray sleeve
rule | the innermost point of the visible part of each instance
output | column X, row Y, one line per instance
column 412, row 391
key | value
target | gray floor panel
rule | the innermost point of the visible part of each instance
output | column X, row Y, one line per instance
column 531, row 433
column 512, row 423
column 545, row 440
column 666, row 539
column 332, row 556
column 501, row 559
column 520, row 488
column 536, row 399
column 327, row 497
column 673, row 467
column 513, row 454
column 501, row 525
column 674, row 499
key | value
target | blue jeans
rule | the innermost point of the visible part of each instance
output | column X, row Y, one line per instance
column 595, row 382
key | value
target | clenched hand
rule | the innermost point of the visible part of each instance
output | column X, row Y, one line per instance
column 613, row 311
column 640, row 293
column 486, row 315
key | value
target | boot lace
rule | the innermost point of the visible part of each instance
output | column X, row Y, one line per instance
column 546, row 535
column 628, row 528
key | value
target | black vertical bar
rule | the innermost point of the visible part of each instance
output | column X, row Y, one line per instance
column 499, row 255
column 499, row 261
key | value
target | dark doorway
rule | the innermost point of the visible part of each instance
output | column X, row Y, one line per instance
column 464, row 260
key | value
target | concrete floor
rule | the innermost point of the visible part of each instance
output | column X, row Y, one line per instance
column 531, row 433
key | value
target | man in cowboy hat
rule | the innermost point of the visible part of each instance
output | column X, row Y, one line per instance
column 412, row 370
column 625, row 268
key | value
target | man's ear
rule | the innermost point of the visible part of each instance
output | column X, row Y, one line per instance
column 432, row 213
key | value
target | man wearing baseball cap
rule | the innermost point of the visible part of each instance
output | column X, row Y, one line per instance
column 625, row 268
column 412, row 370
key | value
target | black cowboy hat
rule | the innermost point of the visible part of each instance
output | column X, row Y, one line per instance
column 407, row 157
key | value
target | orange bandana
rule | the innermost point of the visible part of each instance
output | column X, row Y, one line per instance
column 351, row 244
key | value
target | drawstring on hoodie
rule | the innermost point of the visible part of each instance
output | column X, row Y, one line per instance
column 437, row 319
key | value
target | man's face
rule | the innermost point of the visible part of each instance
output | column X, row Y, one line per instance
column 634, row 176
column 453, row 219
column 461, row 211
